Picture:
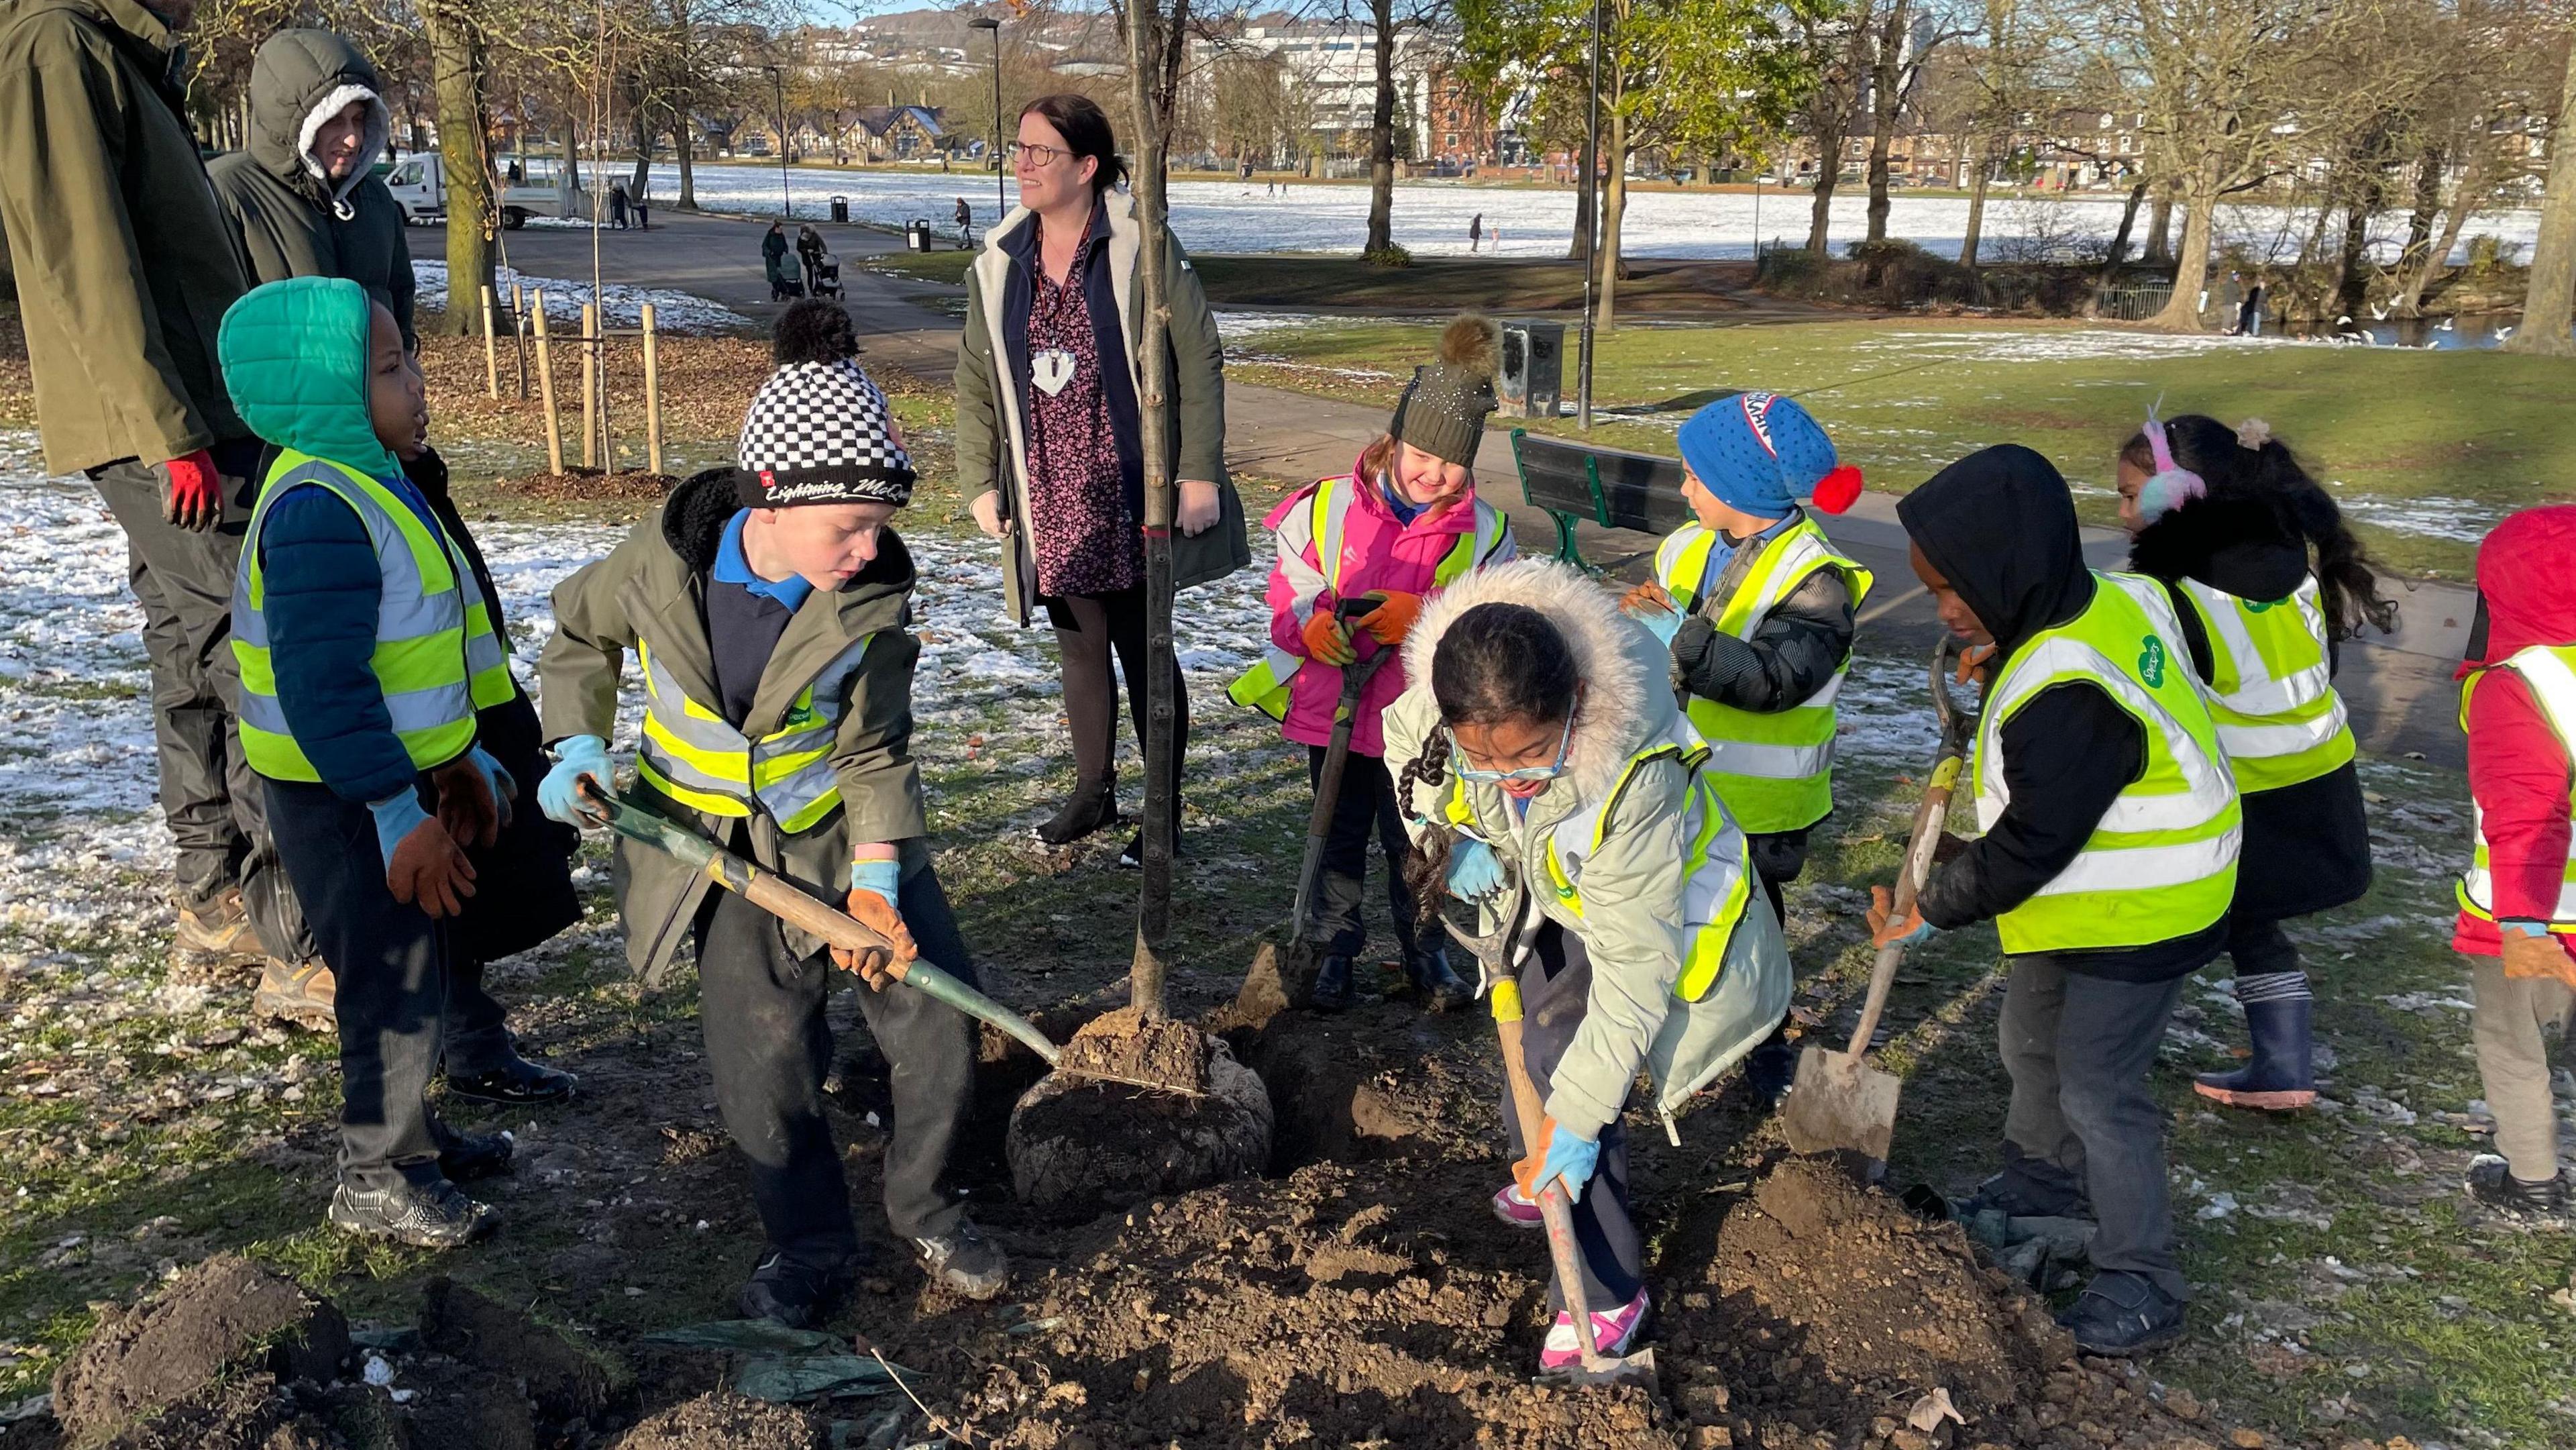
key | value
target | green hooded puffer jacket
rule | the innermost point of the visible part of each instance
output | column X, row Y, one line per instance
column 292, row 221
column 295, row 361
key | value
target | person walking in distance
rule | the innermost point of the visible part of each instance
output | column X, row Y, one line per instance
column 617, row 204
column 1475, row 230
column 103, row 195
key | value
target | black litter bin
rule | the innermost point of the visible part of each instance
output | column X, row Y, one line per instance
column 840, row 208
column 1533, row 373
column 916, row 235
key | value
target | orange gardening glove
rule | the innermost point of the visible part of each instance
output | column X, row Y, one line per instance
column 2536, row 957
column 1975, row 663
column 875, row 965
column 1326, row 640
column 1650, row 597
column 1525, row 1171
column 1393, row 618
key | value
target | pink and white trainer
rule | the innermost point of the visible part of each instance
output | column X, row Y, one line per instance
column 1611, row 1333
column 1513, row 1208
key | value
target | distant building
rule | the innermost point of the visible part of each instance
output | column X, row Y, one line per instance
column 900, row 133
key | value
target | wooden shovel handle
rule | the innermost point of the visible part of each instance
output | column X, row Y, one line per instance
column 1552, row 1204
column 1930, row 815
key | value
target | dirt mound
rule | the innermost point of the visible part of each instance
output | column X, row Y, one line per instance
column 1077, row 1140
column 223, row 1315
column 721, row 1421
column 1120, row 1044
column 591, row 485
column 1876, row 1294
column 251, row 1412
column 563, row 1384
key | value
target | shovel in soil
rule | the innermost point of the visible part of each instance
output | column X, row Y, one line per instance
column 1493, row 956
column 1838, row 1104
column 798, row 909
column 1328, row 794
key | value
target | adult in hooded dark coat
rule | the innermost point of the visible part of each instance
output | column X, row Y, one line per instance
column 2239, row 554
column 302, row 197
column 2083, row 706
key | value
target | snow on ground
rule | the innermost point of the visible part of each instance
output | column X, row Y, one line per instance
column 1431, row 216
column 621, row 305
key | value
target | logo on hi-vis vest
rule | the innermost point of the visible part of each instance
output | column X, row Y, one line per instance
column 2263, row 606
column 2151, row 663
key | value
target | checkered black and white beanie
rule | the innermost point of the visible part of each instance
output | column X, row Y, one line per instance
column 820, row 433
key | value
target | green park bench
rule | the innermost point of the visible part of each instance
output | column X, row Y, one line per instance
column 1612, row 487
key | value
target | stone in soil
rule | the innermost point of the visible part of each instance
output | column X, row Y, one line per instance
column 224, row 1315
column 1076, row 1139
column 720, row 1420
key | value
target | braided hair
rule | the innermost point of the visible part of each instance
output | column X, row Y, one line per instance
column 1494, row 664
column 2269, row 473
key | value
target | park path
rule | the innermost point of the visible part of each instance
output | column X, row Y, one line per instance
column 2398, row 688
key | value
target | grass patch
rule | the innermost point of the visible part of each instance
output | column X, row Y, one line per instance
column 1428, row 284
column 2425, row 449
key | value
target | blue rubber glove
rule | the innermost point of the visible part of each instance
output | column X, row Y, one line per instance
column 1475, row 872
column 1570, row 1158
column 396, row 816
column 495, row 776
column 882, row 877
column 575, row 757
column 2520, row 926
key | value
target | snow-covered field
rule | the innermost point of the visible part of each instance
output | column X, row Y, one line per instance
column 1431, row 216
column 620, row 304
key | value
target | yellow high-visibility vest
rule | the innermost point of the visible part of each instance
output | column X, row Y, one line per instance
column 695, row 756
column 2273, row 696
column 2549, row 672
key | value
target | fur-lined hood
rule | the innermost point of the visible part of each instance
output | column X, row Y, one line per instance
column 1622, row 667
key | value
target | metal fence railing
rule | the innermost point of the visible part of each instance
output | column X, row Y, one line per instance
column 2135, row 301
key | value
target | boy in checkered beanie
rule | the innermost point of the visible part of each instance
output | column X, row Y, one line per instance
column 766, row 606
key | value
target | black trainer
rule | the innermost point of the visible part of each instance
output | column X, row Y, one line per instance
column 516, row 1083
column 1132, row 855
column 1332, row 991
column 1438, row 988
column 1770, row 1070
column 2123, row 1314
column 426, row 1215
column 1094, row 806
column 794, row 1293
column 2543, row 1204
column 964, row 1262
column 476, row 1155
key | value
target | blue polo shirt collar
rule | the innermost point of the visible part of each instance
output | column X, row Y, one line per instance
column 733, row 568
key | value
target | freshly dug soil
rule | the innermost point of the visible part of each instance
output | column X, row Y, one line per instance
column 1122, row 1044
column 563, row 1384
column 720, row 1420
column 250, row 1412
column 590, row 485
column 224, row 1314
column 1077, row 1140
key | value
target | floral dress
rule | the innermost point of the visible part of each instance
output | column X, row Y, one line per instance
column 1085, row 539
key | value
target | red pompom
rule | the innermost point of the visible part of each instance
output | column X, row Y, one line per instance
column 1838, row 490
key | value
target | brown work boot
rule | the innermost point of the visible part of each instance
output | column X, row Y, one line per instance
column 214, row 943
column 298, row 993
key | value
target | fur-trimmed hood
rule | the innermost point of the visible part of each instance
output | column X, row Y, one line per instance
column 300, row 79
column 1622, row 667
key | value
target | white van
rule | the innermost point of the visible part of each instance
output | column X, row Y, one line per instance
column 534, row 187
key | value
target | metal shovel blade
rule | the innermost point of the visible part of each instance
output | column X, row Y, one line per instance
column 1838, row 1104
column 1606, row 1369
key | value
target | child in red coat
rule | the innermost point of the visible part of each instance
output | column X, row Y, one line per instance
column 2517, row 901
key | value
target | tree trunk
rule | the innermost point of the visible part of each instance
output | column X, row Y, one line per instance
column 2352, row 285
column 1976, row 213
column 1381, row 217
column 2181, row 311
column 1886, row 94
column 645, row 134
column 2428, row 207
column 684, row 146
column 2160, row 226
column 1614, row 206
column 1829, row 169
column 1580, row 250
column 456, row 70
column 2120, row 238
column 2437, row 258
column 2552, row 301
column 571, row 155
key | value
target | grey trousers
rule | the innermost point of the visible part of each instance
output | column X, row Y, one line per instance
column 213, row 802
column 768, row 1048
column 391, row 963
column 2079, row 1048
column 2516, row 1016
column 1555, row 987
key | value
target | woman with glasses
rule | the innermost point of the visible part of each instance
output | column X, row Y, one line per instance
column 1049, row 423
column 1551, row 783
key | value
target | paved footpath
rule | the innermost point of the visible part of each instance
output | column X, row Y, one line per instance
column 2398, row 688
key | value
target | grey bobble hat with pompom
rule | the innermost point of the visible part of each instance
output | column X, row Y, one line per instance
column 1444, row 407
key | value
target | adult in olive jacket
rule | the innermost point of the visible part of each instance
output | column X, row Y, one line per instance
column 302, row 198
column 124, row 269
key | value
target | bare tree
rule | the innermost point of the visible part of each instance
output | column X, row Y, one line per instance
column 2552, row 299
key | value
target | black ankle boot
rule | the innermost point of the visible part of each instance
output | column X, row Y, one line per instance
column 1094, row 805
column 1437, row 987
column 1332, row 991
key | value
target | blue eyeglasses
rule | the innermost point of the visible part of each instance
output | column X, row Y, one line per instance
column 1564, row 740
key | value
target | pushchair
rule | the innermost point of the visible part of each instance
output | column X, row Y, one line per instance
column 827, row 276
column 782, row 280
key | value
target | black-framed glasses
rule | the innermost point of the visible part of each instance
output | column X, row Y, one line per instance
column 1037, row 156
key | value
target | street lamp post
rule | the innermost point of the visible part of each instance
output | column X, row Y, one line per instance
column 1001, row 205
column 778, row 88
column 1592, row 230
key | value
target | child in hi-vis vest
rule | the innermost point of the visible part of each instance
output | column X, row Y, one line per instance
column 2517, row 904
column 1401, row 525
column 1757, row 606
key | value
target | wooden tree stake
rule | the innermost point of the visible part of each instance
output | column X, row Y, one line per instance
column 491, row 355
column 546, row 389
column 590, row 385
column 652, row 395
